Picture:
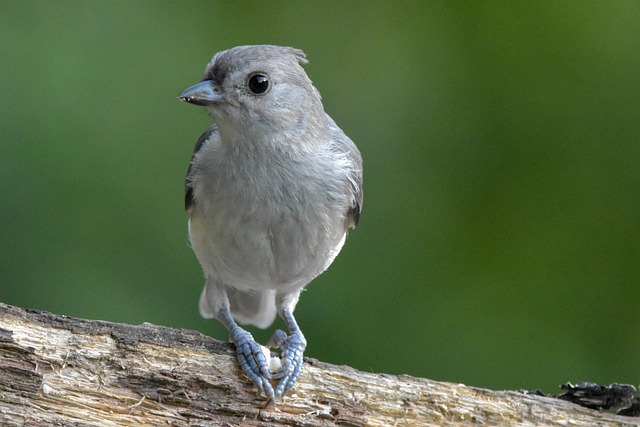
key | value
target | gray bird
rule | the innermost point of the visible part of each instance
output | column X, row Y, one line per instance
column 271, row 190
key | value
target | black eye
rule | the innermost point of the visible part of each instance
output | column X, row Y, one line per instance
column 258, row 84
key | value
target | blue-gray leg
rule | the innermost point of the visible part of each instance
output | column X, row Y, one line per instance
column 249, row 353
column 292, row 350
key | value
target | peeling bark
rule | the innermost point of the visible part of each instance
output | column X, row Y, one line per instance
column 58, row 370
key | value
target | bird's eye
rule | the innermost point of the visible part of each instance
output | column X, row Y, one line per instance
column 258, row 84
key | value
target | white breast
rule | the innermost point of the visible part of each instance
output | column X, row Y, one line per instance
column 262, row 224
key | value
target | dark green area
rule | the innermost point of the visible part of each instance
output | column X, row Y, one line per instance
column 499, row 244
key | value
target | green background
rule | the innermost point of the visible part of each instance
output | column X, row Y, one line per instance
column 499, row 245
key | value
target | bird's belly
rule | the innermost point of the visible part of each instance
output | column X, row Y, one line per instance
column 270, row 250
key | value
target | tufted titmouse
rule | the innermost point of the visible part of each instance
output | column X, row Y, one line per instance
column 271, row 190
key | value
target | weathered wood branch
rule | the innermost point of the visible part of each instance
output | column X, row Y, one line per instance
column 58, row 370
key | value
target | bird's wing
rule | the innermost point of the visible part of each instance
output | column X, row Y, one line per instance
column 356, row 182
column 188, row 195
column 355, row 174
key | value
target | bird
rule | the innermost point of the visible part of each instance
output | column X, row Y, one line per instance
column 272, row 188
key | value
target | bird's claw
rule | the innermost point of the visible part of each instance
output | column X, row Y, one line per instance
column 277, row 339
column 253, row 362
column 292, row 349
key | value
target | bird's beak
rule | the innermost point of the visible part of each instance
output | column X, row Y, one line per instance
column 203, row 93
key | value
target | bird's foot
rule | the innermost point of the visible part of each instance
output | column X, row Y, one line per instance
column 253, row 362
column 291, row 353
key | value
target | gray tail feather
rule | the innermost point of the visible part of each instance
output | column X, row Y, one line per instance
column 255, row 308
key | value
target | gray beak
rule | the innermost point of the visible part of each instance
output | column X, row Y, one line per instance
column 203, row 93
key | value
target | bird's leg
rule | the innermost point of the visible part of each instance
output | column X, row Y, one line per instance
column 292, row 348
column 249, row 352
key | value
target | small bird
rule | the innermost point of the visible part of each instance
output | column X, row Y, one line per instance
column 271, row 191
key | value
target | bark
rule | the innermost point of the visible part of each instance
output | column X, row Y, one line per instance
column 58, row 370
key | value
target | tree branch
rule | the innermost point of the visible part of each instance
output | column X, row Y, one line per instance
column 58, row 370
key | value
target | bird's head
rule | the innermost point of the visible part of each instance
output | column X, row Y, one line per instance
column 261, row 89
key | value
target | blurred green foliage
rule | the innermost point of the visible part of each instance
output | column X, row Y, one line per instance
column 499, row 244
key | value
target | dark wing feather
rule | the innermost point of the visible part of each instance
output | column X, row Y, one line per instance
column 188, row 195
column 356, row 178
column 345, row 144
